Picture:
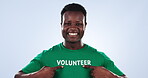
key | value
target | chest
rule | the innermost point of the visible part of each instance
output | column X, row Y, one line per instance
column 69, row 59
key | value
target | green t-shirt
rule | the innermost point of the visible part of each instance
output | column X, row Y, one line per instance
column 72, row 60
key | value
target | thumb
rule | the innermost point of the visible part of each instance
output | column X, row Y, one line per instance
column 89, row 66
column 57, row 67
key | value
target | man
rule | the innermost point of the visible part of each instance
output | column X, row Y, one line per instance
column 71, row 58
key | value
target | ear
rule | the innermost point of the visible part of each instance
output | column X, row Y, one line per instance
column 85, row 23
column 61, row 24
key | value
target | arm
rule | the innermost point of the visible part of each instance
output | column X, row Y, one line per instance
column 45, row 72
column 123, row 76
column 109, row 66
column 116, row 76
column 101, row 72
column 21, row 74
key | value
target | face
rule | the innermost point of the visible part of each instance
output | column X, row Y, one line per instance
column 73, row 26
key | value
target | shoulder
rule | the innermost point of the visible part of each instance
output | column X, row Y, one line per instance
column 53, row 48
column 96, row 51
column 90, row 48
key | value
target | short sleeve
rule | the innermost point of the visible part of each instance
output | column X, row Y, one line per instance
column 34, row 65
column 109, row 64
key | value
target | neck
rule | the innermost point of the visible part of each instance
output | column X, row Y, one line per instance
column 73, row 45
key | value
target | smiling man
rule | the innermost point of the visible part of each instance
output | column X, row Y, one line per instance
column 71, row 58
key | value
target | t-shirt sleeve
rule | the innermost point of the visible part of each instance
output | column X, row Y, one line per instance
column 34, row 65
column 109, row 64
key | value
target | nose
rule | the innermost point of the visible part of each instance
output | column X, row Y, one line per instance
column 73, row 29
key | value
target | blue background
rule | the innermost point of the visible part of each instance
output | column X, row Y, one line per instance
column 117, row 27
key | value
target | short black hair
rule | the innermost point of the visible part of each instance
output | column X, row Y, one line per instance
column 73, row 7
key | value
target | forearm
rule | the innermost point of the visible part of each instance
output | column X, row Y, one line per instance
column 112, row 75
column 122, row 76
column 115, row 76
column 23, row 75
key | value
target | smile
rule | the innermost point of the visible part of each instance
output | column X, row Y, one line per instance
column 73, row 34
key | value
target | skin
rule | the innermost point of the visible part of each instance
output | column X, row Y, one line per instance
column 45, row 72
column 73, row 22
column 101, row 72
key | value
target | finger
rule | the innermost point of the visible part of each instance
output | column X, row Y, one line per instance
column 57, row 67
column 89, row 66
column 92, row 72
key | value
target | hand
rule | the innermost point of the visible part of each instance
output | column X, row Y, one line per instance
column 100, row 72
column 47, row 72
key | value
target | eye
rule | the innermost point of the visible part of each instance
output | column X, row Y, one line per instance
column 79, row 24
column 67, row 24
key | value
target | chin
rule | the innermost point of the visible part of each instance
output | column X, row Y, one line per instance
column 73, row 41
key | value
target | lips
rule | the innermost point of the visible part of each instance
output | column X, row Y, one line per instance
column 73, row 34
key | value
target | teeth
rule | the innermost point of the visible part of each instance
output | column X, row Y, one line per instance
column 73, row 33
